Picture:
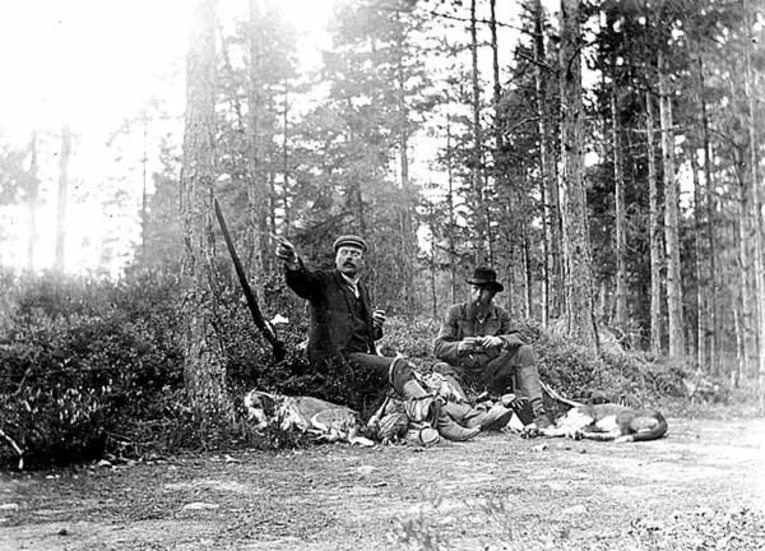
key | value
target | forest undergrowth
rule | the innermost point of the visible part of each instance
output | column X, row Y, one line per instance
column 92, row 368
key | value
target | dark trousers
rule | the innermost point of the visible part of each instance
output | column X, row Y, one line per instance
column 494, row 372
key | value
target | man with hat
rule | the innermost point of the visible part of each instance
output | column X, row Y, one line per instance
column 480, row 349
column 344, row 328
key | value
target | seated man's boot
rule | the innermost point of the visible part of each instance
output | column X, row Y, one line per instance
column 450, row 430
column 493, row 418
column 542, row 419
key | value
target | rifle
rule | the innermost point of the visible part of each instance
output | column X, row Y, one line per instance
column 265, row 327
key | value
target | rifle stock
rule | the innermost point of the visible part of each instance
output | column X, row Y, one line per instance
column 260, row 322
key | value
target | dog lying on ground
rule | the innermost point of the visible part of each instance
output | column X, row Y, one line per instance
column 609, row 422
column 327, row 421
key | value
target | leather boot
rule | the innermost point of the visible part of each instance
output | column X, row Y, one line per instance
column 421, row 406
column 494, row 418
column 541, row 418
column 449, row 429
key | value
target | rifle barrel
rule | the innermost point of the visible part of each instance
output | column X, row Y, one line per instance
column 252, row 303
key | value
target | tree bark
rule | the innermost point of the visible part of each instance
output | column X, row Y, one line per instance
column 754, row 161
column 408, row 234
column 257, row 188
column 33, row 190
column 711, row 206
column 204, row 369
column 477, row 156
column 620, row 317
column 580, row 318
column 671, row 219
column 549, row 188
column 701, row 280
column 654, row 216
column 452, row 221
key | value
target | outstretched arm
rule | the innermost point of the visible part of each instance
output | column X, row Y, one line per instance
column 299, row 278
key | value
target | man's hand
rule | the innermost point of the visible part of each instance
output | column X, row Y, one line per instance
column 286, row 252
column 468, row 345
column 378, row 318
column 490, row 341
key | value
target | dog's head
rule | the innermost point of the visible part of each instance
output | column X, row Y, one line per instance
column 261, row 408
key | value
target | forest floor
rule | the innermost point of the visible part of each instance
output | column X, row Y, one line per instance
column 701, row 487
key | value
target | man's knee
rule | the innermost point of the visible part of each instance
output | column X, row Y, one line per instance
column 525, row 355
column 446, row 369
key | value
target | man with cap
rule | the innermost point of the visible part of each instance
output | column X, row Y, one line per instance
column 480, row 349
column 343, row 327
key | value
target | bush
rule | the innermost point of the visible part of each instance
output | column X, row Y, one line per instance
column 82, row 360
column 89, row 367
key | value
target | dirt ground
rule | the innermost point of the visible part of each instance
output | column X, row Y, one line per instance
column 702, row 487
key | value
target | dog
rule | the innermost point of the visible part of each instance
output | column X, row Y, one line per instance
column 609, row 422
column 329, row 422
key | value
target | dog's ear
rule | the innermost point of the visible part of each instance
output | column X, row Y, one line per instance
column 261, row 400
column 268, row 403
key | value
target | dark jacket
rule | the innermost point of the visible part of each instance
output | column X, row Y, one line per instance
column 461, row 322
column 340, row 323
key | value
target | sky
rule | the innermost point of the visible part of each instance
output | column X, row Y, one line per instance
column 94, row 64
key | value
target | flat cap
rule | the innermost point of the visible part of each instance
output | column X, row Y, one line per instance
column 350, row 241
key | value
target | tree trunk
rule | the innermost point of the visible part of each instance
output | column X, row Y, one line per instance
column 580, row 316
column 754, row 161
column 654, row 215
column 476, row 160
column 452, row 220
column 408, row 234
column 144, row 184
column 500, row 166
column 63, row 192
column 33, row 190
column 671, row 219
column 287, row 216
column 257, row 188
column 204, row 369
column 549, row 188
column 711, row 205
column 746, row 294
column 701, row 279
column 620, row 317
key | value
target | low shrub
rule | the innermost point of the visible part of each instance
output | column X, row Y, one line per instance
column 90, row 367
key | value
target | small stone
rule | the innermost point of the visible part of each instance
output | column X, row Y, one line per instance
column 200, row 506
column 9, row 507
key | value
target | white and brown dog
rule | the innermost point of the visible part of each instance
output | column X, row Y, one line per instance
column 328, row 421
column 609, row 422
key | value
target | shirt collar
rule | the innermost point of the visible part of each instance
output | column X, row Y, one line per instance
column 350, row 280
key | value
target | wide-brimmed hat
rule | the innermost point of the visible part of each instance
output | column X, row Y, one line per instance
column 487, row 278
column 350, row 241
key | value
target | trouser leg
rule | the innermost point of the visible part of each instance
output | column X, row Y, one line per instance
column 403, row 381
column 521, row 362
column 455, row 376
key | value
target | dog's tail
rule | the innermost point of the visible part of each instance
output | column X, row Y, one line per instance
column 557, row 397
column 655, row 429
